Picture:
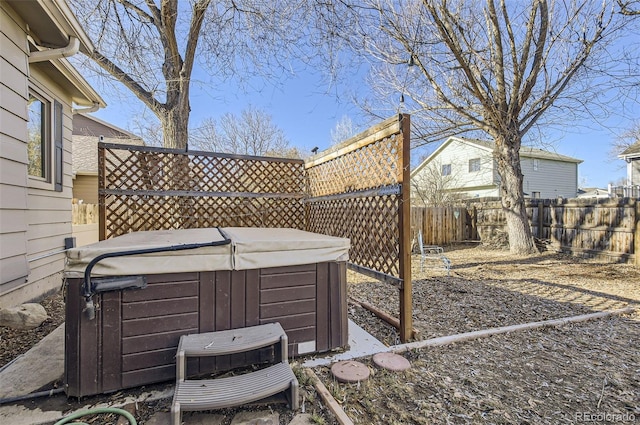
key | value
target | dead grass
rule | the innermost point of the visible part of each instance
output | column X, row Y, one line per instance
column 546, row 376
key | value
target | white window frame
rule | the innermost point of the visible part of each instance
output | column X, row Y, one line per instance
column 477, row 165
column 43, row 182
column 447, row 168
column 536, row 164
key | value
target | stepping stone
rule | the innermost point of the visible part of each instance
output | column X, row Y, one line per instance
column 263, row 417
column 199, row 418
column 391, row 361
column 301, row 419
column 350, row 371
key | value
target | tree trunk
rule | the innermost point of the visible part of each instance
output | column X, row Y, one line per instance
column 512, row 196
column 175, row 124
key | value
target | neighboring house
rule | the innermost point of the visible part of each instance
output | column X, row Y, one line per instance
column 632, row 157
column 87, row 132
column 593, row 192
column 39, row 88
column 468, row 170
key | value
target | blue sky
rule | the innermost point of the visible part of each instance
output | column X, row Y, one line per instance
column 307, row 110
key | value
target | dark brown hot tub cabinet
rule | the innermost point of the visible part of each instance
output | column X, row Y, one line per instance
column 133, row 338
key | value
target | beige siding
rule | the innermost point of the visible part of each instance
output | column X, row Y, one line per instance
column 86, row 188
column 13, row 158
column 49, row 213
column 35, row 218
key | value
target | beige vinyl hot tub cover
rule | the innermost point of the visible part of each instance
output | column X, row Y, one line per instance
column 255, row 248
column 251, row 248
column 208, row 258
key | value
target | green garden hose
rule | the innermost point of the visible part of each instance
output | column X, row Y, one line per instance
column 96, row 411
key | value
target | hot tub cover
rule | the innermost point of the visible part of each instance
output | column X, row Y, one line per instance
column 255, row 248
column 251, row 248
column 208, row 258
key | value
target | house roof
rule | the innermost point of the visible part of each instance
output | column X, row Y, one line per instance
column 88, row 125
column 51, row 24
column 525, row 152
column 632, row 151
column 86, row 135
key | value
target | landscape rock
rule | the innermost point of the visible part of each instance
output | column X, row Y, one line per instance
column 25, row 316
column 264, row 417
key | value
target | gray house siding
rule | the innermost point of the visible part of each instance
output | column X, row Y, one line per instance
column 551, row 179
column 546, row 174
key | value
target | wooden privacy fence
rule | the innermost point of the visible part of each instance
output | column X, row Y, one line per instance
column 353, row 190
column 444, row 225
column 605, row 228
column 589, row 228
column 84, row 213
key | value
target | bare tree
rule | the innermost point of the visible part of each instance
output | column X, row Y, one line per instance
column 251, row 133
column 343, row 130
column 628, row 138
column 151, row 47
column 629, row 7
column 495, row 68
column 433, row 187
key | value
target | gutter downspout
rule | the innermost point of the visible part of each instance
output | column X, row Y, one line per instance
column 45, row 55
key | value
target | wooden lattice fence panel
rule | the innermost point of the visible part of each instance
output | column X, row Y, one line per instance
column 354, row 193
column 370, row 223
column 357, row 190
column 143, row 188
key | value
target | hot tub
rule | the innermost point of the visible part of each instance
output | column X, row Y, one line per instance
column 146, row 289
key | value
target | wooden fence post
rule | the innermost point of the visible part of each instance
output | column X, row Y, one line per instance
column 404, row 218
column 636, row 235
column 541, row 219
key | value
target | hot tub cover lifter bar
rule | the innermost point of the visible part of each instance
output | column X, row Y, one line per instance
column 88, row 290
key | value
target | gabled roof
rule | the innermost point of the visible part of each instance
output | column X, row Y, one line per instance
column 632, row 151
column 88, row 125
column 487, row 146
column 86, row 135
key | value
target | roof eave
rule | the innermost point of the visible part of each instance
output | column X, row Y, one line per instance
column 89, row 96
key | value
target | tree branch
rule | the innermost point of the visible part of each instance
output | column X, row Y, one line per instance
column 142, row 94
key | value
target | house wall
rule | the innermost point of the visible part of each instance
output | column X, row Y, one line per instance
column 473, row 184
column 35, row 218
column 633, row 172
column 13, row 152
column 86, row 188
column 552, row 178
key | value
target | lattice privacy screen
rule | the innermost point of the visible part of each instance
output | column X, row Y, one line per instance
column 353, row 190
column 142, row 188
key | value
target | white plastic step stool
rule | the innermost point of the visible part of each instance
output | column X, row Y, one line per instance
column 207, row 394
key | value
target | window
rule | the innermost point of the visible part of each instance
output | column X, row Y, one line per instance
column 45, row 142
column 535, row 195
column 474, row 165
column 38, row 140
column 446, row 169
column 536, row 164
